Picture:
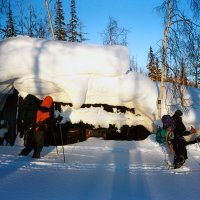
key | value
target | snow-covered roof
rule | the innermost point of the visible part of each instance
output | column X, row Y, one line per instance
column 72, row 72
column 43, row 57
column 86, row 74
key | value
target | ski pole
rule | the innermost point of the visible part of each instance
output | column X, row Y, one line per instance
column 197, row 142
column 54, row 138
column 62, row 142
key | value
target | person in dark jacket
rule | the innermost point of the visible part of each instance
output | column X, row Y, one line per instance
column 37, row 137
column 179, row 143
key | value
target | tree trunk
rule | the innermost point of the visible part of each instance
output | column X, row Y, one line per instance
column 49, row 16
column 164, row 62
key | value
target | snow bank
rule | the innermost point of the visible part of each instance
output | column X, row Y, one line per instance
column 132, row 90
column 22, row 56
column 190, row 99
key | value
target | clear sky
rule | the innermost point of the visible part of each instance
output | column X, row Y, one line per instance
column 138, row 16
column 145, row 25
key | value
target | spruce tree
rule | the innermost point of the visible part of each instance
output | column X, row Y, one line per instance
column 74, row 35
column 60, row 29
column 10, row 28
column 151, row 64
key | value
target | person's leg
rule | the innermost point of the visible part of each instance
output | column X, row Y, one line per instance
column 175, row 144
column 181, row 153
column 183, row 150
column 28, row 143
column 39, row 143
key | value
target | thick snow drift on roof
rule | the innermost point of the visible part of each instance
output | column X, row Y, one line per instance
column 132, row 90
column 74, row 73
column 22, row 56
column 88, row 74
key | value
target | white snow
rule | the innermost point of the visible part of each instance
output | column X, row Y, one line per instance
column 98, row 169
column 48, row 57
column 95, row 169
column 88, row 74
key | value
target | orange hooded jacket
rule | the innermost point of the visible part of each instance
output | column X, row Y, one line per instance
column 41, row 116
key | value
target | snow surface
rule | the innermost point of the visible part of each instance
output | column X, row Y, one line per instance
column 99, row 169
column 88, row 74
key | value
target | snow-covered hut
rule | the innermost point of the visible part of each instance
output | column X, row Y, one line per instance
column 87, row 77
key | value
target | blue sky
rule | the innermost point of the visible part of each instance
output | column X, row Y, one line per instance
column 138, row 16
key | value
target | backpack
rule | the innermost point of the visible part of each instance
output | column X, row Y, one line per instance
column 161, row 136
column 27, row 113
column 167, row 121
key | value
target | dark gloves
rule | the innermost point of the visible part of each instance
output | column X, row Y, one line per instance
column 59, row 118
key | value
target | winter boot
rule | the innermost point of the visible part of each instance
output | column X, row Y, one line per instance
column 175, row 160
column 36, row 153
column 179, row 162
column 25, row 151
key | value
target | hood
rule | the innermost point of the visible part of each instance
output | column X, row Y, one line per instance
column 47, row 102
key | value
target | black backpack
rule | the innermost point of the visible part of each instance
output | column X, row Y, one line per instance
column 27, row 113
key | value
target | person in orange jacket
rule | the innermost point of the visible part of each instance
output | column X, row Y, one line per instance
column 43, row 120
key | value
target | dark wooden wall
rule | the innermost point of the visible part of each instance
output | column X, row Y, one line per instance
column 9, row 115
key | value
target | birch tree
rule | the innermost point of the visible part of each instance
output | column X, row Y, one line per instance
column 177, row 27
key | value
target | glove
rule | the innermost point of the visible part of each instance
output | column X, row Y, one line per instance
column 193, row 130
column 59, row 118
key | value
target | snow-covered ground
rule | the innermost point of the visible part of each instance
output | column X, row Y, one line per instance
column 99, row 169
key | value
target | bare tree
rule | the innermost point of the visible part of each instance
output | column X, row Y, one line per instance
column 3, row 14
column 194, row 57
column 42, row 29
column 195, row 6
column 82, row 34
column 20, row 4
column 133, row 65
column 113, row 35
column 177, row 27
column 3, row 5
